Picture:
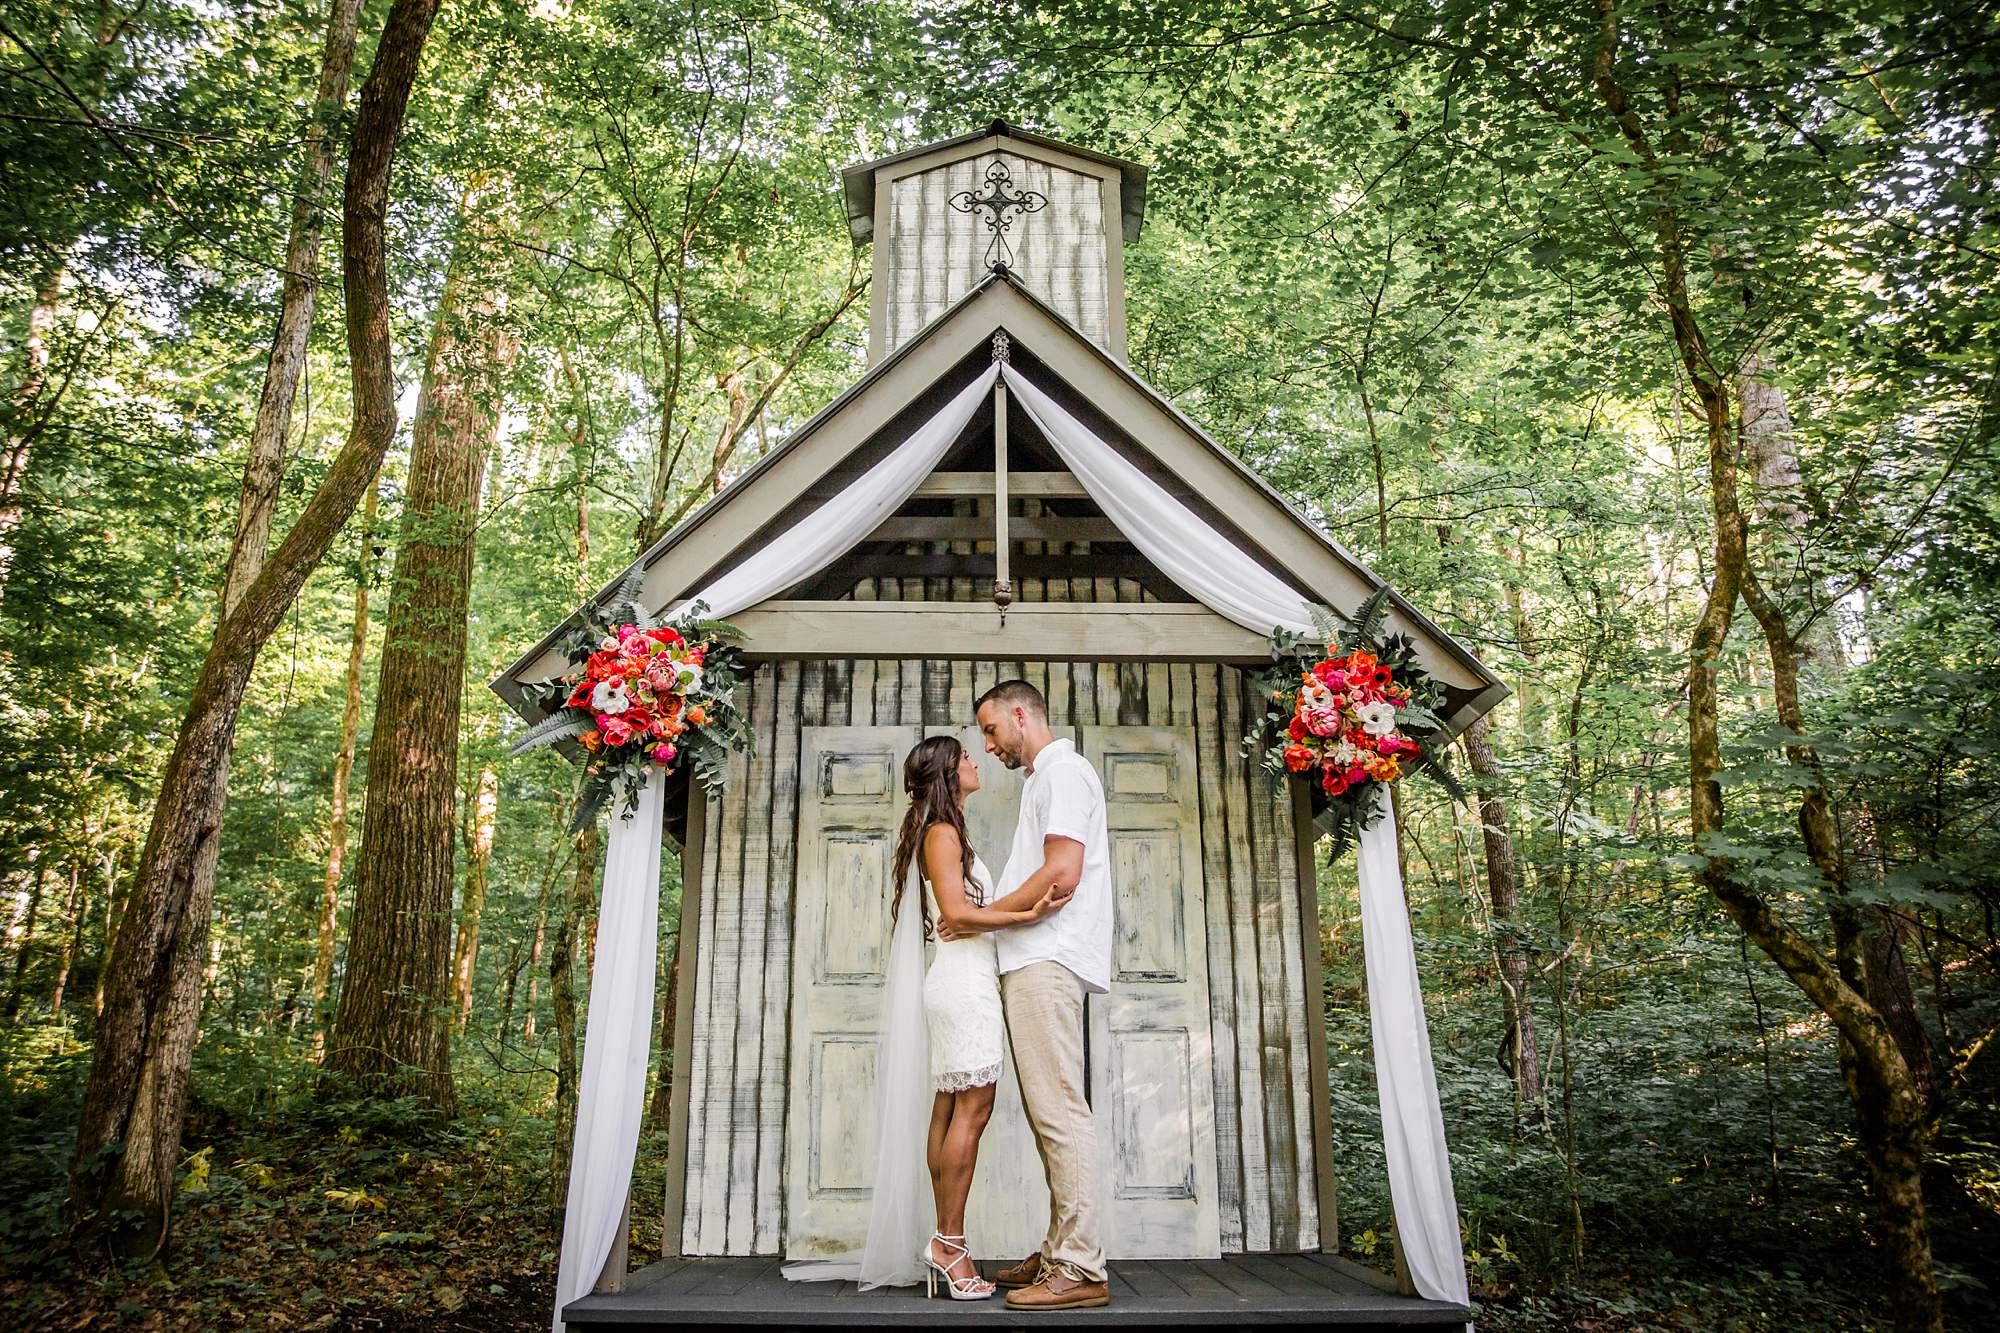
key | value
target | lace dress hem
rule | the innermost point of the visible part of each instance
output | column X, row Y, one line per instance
column 972, row 1078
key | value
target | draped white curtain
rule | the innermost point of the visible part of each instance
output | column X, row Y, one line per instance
column 1219, row 575
column 834, row 529
column 901, row 1209
column 1420, row 1192
column 617, row 1034
column 1188, row 551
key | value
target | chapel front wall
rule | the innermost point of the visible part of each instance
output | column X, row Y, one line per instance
column 738, row 1061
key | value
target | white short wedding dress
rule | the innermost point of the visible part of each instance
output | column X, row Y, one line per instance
column 962, row 1001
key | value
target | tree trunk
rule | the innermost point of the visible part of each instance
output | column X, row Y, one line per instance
column 660, row 1113
column 1520, row 1053
column 128, row 1139
column 343, row 775
column 264, row 467
column 577, row 903
column 391, row 1032
column 27, row 933
column 76, row 909
column 1882, row 1084
column 478, row 853
column 34, row 375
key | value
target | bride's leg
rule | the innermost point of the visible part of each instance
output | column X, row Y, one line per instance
column 971, row 1110
column 941, row 1111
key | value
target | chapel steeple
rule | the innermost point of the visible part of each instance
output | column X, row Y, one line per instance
column 943, row 215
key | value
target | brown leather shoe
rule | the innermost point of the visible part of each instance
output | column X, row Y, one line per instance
column 1059, row 1291
column 1024, row 1274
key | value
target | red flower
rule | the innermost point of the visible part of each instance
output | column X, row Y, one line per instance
column 666, row 634
column 1333, row 783
column 1297, row 731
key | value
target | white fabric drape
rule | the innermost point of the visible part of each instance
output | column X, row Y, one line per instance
column 618, row 1033
column 1187, row 550
column 833, row 529
column 1420, row 1190
column 901, row 1212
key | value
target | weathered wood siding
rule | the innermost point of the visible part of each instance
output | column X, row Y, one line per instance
column 937, row 254
column 1265, row 1168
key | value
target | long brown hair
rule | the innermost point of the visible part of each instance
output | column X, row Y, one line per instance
column 930, row 776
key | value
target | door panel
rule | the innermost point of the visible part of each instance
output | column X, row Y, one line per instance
column 850, row 803
column 1151, row 1079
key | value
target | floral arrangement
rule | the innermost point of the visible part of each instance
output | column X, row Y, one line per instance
column 643, row 696
column 1355, row 712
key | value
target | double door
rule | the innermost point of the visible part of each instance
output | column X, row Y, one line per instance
column 1148, row 1047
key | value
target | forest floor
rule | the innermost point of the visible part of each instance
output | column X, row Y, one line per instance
column 303, row 1214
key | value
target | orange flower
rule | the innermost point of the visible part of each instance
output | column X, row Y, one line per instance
column 697, row 716
column 593, row 740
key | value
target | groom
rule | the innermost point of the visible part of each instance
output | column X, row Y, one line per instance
column 1045, row 968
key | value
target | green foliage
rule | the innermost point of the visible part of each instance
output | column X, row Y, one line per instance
column 1404, row 263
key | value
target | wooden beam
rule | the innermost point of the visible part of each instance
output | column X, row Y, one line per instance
column 960, row 485
column 1003, row 587
column 973, row 528
column 1032, row 631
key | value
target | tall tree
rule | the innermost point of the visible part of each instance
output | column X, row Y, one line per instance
column 392, row 1029
column 343, row 774
column 128, row 1141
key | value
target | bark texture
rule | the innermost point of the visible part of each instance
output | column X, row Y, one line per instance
column 128, row 1138
column 23, row 410
column 264, row 467
column 391, row 1032
column 1520, row 1052
column 478, row 855
column 343, row 777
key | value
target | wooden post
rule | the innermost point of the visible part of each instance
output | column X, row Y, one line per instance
column 613, row 1276
column 1322, row 1110
column 688, row 961
column 1003, row 583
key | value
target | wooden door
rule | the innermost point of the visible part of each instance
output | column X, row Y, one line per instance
column 850, row 803
column 1152, row 1089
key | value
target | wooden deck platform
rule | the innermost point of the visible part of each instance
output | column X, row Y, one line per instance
column 1238, row 1289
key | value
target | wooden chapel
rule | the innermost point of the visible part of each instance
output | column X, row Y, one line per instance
column 1207, row 1061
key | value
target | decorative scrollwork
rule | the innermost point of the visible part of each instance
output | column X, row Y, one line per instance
column 1002, row 204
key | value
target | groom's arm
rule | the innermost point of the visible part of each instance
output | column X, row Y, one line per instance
column 1055, row 879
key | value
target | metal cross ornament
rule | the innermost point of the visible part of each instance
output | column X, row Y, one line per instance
column 1002, row 207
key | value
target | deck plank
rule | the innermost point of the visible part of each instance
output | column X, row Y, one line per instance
column 1290, row 1289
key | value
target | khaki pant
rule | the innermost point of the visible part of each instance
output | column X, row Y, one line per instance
column 1044, row 1004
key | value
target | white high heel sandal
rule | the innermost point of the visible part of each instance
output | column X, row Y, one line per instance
column 974, row 1288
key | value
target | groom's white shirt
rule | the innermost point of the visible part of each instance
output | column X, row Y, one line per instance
column 1062, row 798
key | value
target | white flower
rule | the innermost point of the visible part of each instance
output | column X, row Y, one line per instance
column 1378, row 718
column 689, row 677
column 610, row 644
column 1315, row 694
column 611, row 696
column 1345, row 755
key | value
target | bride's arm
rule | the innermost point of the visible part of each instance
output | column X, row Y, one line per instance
column 961, row 915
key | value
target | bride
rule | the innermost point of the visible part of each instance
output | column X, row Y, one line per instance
column 942, row 1036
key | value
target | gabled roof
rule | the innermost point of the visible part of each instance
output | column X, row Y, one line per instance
column 858, row 181
column 725, row 529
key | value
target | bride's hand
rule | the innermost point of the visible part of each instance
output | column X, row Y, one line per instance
column 1050, row 903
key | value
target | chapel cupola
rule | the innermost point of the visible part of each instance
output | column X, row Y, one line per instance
column 944, row 215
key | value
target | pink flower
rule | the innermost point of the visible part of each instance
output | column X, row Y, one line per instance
column 663, row 754
column 617, row 731
column 1356, row 774
column 1388, row 745
column 1322, row 721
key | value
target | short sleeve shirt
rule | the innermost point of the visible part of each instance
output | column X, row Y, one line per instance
column 1062, row 798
